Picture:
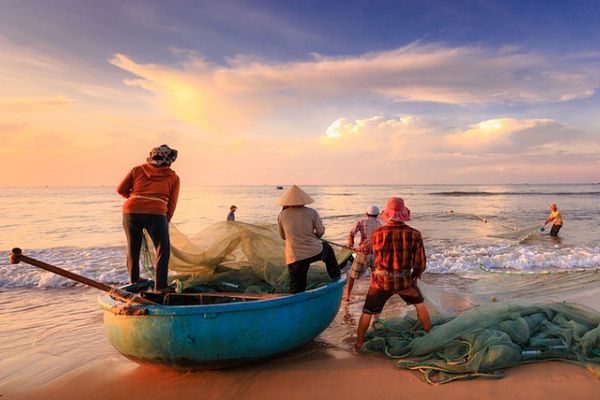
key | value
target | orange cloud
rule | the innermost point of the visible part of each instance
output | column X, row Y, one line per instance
column 227, row 97
column 63, row 121
column 193, row 95
column 492, row 131
column 21, row 105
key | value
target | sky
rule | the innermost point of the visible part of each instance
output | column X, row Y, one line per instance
column 308, row 92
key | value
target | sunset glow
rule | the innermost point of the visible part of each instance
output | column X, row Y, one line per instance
column 269, row 95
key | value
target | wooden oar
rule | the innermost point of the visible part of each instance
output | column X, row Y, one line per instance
column 16, row 256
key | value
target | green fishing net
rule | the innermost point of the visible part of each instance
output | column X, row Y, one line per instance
column 486, row 339
column 519, row 234
column 232, row 256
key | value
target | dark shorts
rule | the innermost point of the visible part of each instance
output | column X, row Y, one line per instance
column 555, row 229
column 376, row 298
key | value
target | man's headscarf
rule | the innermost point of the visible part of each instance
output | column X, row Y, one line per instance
column 162, row 156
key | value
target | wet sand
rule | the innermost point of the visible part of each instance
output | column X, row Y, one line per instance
column 316, row 374
column 52, row 346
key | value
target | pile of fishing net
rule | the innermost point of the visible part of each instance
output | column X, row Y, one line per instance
column 486, row 339
column 233, row 256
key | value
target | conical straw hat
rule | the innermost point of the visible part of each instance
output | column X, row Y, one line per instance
column 294, row 196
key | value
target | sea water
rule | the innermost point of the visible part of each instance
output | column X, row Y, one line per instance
column 48, row 324
column 80, row 228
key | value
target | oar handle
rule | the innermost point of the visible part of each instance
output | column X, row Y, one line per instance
column 16, row 256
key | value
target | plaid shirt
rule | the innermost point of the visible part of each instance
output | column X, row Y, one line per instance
column 365, row 227
column 399, row 256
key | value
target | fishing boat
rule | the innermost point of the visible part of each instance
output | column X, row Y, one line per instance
column 213, row 336
column 206, row 330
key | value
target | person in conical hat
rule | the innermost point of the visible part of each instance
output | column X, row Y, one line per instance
column 301, row 227
column 294, row 196
column 399, row 262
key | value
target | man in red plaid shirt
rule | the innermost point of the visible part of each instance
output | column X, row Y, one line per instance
column 399, row 262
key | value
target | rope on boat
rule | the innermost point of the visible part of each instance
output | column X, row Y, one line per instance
column 116, row 293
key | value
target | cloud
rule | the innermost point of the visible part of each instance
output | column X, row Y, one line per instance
column 193, row 95
column 297, row 121
column 510, row 135
column 408, row 135
column 421, row 73
column 211, row 96
column 342, row 128
column 25, row 59
column 415, row 149
column 49, row 73
column 492, row 132
column 376, row 134
column 22, row 105
column 257, row 21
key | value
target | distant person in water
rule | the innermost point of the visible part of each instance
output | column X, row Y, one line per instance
column 364, row 252
column 301, row 227
column 231, row 215
column 556, row 218
column 399, row 262
column 151, row 191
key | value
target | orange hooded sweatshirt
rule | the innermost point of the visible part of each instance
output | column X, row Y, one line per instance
column 150, row 190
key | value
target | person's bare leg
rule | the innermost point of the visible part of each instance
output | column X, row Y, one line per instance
column 348, row 289
column 423, row 315
column 363, row 325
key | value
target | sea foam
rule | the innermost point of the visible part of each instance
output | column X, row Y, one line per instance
column 108, row 264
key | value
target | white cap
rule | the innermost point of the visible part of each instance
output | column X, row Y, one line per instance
column 373, row 210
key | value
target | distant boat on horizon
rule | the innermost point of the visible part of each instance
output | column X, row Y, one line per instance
column 279, row 187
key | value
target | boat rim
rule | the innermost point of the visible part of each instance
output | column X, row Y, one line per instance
column 107, row 303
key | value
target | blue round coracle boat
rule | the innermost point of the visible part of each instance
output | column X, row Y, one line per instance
column 219, row 335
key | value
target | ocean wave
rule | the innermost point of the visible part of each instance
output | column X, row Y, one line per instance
column 461, row 259
column 529, row 193
column 337, row 194
column 108, row 264
column 101, row 264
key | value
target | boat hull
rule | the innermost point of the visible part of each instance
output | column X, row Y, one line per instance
column 220, row 335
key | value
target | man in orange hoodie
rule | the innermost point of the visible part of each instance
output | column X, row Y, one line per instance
column 151, row 191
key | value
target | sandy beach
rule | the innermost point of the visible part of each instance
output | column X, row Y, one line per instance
column 60, row 354
column 310, row 373
column 244, row 140
column 53, row 344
